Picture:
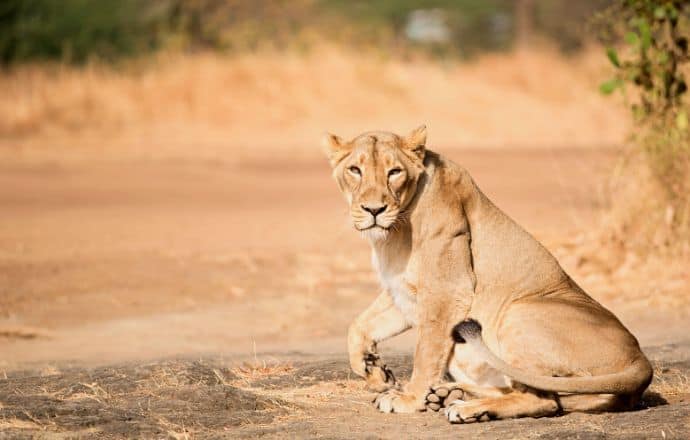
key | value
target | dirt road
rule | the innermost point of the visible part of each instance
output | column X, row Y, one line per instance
column 108, row 266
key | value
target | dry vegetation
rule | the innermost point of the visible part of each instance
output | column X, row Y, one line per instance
column 238, row 105
column 671, row 382
column 645, row 216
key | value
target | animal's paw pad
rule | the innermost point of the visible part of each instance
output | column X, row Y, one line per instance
column 394, row 401
column 379, row 377
column 464, row 412
column 439, row 396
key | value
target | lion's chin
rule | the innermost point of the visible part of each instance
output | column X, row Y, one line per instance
column 375, row 234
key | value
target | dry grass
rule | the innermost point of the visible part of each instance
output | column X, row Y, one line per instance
column 190, row 399
column 670, row 382
column 644, row 217
column 614, row 272
column 21, row 332
column 17, row 424
column 283, row 101
column 256, row 369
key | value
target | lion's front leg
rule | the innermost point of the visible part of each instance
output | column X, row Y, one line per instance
column 380, row 321
column 432, row 353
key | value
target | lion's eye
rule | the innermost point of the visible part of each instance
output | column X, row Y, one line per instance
column 394, row 172
column 355, row 170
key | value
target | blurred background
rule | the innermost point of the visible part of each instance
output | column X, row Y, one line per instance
column 163, row 192
column 217, row 73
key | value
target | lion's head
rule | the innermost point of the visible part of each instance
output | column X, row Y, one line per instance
column 378, row 173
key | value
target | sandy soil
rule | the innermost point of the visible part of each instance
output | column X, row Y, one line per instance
column 244, row 276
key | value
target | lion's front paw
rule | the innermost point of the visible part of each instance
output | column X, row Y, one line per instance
column 467, row 412
column 379, row 377
column 394, row 401
column 439, row 396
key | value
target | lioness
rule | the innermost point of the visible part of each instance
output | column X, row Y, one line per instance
column 530, row 341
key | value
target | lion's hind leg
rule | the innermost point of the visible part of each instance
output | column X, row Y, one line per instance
column 595, row 403
column 512, row 405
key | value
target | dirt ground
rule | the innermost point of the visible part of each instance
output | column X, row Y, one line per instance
column 299, row 396
column 187, row 297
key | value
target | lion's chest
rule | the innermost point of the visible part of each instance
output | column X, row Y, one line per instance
column 403, row 297
column 401, row 287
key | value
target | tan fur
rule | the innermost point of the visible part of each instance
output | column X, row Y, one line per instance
column 445, row 253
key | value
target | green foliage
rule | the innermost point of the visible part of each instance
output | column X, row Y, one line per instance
column 653, row 35
column 73, row 30
column 613, row 57
column 610, row 86
column 653, row 31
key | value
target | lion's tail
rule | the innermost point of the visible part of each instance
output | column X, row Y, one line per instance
column 633, row 379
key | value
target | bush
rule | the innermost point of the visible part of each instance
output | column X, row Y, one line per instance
column 651, row 73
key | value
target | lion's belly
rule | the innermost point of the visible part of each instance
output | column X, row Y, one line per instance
column 466, row 366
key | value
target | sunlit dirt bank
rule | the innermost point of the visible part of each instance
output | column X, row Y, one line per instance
column 279, row 103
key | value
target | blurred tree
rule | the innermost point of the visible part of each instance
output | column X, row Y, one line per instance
column 76, row 30
column 524, row 22
column 565, row 22
column 72, row 30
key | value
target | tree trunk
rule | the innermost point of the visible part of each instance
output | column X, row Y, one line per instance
column 524, row 23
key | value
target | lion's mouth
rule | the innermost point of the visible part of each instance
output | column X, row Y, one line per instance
column 375, row 232
column 374, row 226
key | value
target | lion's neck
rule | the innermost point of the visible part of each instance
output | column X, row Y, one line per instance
column 391, row 255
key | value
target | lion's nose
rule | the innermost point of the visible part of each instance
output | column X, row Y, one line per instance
column 374, row 209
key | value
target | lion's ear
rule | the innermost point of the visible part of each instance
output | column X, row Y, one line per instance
column 415, row 142
column 335, row 148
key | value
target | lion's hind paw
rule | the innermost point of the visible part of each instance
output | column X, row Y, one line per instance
column 440, row 396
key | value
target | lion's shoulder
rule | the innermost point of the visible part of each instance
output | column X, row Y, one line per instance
column 448, row 178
